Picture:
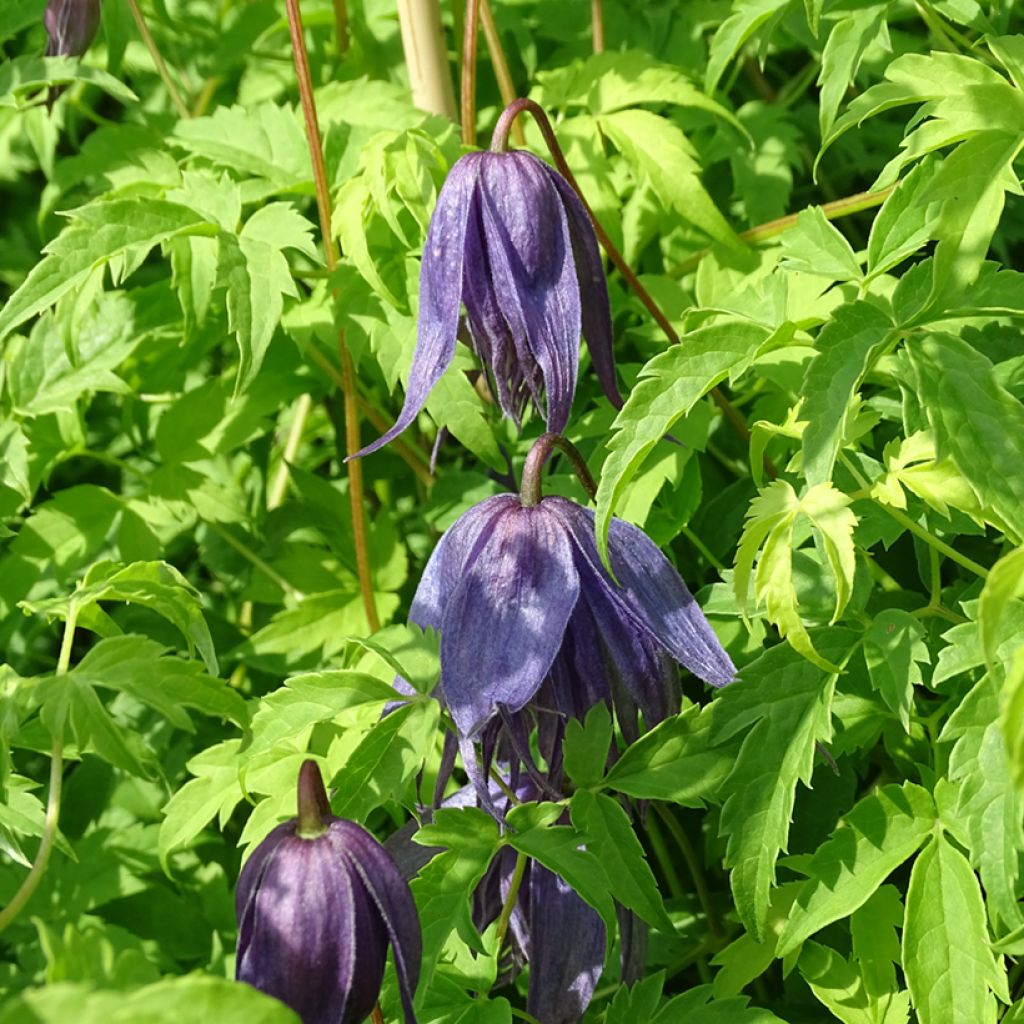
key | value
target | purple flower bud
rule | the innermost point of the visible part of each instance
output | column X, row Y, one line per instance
column 71, row 26
column 523, row 602
column 317, row 903
column 510, row 240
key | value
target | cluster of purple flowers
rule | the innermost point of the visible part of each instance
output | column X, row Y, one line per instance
column 534, row 629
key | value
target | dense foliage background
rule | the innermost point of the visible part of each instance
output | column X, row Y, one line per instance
column 837, row 835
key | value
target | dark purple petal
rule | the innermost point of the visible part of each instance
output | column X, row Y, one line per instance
column 392, row 904
column 71, row 26
column 651, row 592
column 505, row 621
column 566, row 950
column 594, row 306
column 440, row 292
column 533, row 274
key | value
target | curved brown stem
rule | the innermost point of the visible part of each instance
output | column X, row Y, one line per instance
column 530, row 488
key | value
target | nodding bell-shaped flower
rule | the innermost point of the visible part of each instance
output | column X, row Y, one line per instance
column 317, row 903
column 71, row 26
column 517, row 589
column 510, row 240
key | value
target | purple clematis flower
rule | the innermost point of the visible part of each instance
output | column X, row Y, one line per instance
column 71, row 26
column 317, row 903
column 510, row 240
column 525, row 607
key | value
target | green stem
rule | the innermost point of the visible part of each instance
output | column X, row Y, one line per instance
column 506, row 87
column 52, row 819
column 348, row 378
column 530, row 491
column 279, row 488
column 510, row 900
column 523, row 1015
column 247, row 553
column 693, row 864
column 161, row 67
column 703, row 549
column 770, row 229
column 341, row 26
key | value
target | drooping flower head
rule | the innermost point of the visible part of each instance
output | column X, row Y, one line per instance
column 317, row 903
column 526, row 608
column 71, row 26
column 510, row 240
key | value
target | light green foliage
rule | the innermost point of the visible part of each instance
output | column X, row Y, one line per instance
column 951, row 971
column 894, row 650
column 770, row 530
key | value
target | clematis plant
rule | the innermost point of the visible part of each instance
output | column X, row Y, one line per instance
column 317, row 903
column 511, row 241
column 528, row 613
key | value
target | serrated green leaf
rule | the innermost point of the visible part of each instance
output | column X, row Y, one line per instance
column 905, row 222
column 748, row 17
column 675, row 761
column 988, row 802
column 97, row 234
column 610, row 837
column 842, row 55
column 27, row 73
column 975, row 421
column 894, row 649
column 1004, row 584
column 874, row 935
column 874, row 838
column 946, row 956
column 782, row 704
column 668, row 387
column 387, row 759
column 815, row 246
column 661, row 154
column 852, row 338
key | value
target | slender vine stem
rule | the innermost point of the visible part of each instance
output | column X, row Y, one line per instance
column 499, row 61
column 530, row 491
column 510, row 900
column 467, row 88
column 770, row 229
column 158, row 60
column 597, row 21
column 279, row 487
column 348, row 382
column 341, row 26
column 499, row 143
column 250, row 556
column 51, row 821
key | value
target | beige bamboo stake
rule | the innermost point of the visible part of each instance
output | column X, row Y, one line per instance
column 426, row 57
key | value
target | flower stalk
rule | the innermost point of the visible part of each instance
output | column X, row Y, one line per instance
column 161, row 67
column 467, row 105
column 349, row 392
column 530, row 491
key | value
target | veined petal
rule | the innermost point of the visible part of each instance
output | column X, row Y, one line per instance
column 505, row 621
column 534, row 274
column 448, row 561
column 440, row 292
column 392, row 905
column 595, row 308
column 566, row 949
column 651, row 594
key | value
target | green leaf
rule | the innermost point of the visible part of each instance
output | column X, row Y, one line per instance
column 975, row 421
column 1004, row 584
column 675, row 761
column 882, row 830
column 27, row 73
column 308, row 699
column 610, row 837
column 745, row 20
column 850, row 341
column 669, row 386
column 771, row 521
column 662, row 155
column 782, row 704
column 906, row 221
column 949, row 966
column 386, row 760
column 894, row 649
column 815, row 246
column 844, row 50
column 169, row 1001
column 586, row 746
column 988, row 802
column 1011, row 718
column 97, row 234
column 440, row 887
